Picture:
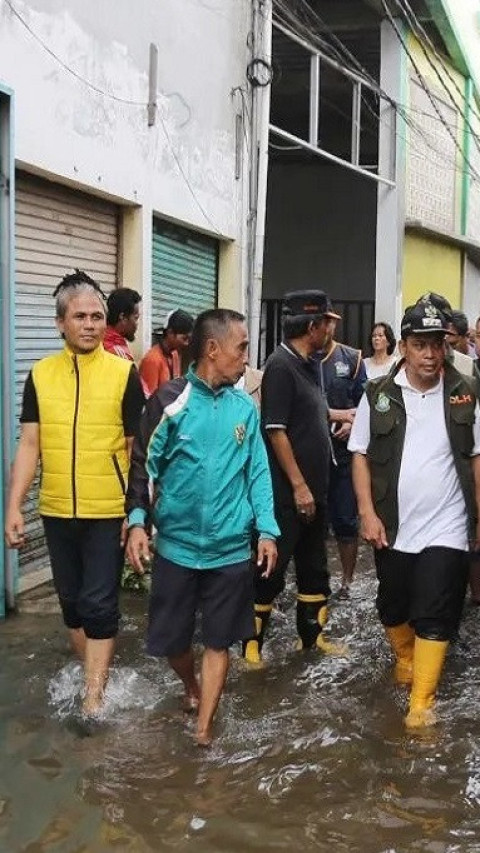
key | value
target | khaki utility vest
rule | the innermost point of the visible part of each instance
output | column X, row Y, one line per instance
column 387, row 436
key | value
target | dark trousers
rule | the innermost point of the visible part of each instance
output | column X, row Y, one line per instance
column 305, row 542
column 426, row 589
column 342, row 504
column 87, row 563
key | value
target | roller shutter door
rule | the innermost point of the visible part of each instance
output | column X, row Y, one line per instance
column 56, row 230
column 184, row 271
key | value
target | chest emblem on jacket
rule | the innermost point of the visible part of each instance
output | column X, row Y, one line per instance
column 383, row 403
column 342, row 369
column 240, row 432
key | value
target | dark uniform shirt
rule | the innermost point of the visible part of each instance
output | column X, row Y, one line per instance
column 292, row 400
column 343, row 378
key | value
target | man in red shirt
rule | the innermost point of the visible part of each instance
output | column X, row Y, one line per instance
column 123, row 314
column 163, row 362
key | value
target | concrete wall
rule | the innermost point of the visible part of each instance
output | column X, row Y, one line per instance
column 183, row 168
column 321, row 225
column 431, row 265
column 465, row 18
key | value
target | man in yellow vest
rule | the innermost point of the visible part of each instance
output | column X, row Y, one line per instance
column 80, row 410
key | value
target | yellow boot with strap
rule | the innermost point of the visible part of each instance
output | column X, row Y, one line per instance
column 428, row 659
column 252, row 649
column 402, row 639
column 312, row 616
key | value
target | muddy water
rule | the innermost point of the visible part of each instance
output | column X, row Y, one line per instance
column 311, row 753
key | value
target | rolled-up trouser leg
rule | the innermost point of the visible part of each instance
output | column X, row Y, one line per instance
column 102, row 568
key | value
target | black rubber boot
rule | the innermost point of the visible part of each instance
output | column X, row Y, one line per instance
column 312, row 616
column 252, row 649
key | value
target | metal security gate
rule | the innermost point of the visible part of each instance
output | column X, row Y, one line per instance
column 184, row 271
column 56, row 230
column 353, row 329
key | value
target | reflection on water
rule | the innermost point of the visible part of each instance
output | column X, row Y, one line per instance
column 311, row 752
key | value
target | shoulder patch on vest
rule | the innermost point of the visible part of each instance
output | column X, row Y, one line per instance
column 457, row 399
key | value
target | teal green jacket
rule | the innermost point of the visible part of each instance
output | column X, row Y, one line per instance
column 199, row 471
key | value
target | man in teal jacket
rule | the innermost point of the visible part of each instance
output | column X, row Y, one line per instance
column 199, row 471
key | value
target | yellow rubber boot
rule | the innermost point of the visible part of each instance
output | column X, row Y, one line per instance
column 312, row 616
column 402, row 639
column 428, row 660
column 252, row 649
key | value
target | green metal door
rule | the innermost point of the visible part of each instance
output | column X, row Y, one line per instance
column 184, row 271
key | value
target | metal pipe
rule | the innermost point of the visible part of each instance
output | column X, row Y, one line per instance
column 314, row 99
column 261, row 94
column 356, row 122
column 152, row 85
column 320, row 152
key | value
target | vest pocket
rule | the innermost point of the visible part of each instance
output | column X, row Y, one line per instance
column 118, row 470
column 462, row 423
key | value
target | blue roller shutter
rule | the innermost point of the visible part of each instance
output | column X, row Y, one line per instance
column 184, row 271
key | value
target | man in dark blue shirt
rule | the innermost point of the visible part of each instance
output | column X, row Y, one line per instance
column 342, row 377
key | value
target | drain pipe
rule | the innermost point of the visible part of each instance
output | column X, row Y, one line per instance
column 259, row 75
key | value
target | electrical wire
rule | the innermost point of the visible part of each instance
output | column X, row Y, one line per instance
column 412, row 21
column 287, row 16
column 67, row 68
column 121, row 101
column 186, row 179
column 427, row 91
column 421, row 31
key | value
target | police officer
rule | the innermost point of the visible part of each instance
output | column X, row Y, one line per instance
column 343, row 377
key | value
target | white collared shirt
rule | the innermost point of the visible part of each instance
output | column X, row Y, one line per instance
column 431, row 506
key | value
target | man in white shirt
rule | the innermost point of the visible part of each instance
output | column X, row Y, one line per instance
column 416, row 471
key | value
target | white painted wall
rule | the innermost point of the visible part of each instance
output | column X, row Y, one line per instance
column 465, row 17
column 321, row 225
column 183, row 168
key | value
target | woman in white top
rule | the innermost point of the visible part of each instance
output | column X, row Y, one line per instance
column 383, row 345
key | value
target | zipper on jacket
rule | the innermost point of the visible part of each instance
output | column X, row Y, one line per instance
column 120, row 476
column 74, row 437
column 207, row 478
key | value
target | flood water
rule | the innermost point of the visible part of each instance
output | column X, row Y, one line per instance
column 310, row 755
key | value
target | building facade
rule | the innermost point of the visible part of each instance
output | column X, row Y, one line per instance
column 374, row 177
column 124, row 152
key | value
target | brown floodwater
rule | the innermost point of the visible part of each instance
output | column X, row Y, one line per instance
column 310, row 755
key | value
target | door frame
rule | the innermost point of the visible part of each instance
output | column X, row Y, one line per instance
column 8, row 558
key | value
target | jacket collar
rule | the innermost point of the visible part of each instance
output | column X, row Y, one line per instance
column 452, row 378
column 84, row 358
column 115, row 338
column 202, row 386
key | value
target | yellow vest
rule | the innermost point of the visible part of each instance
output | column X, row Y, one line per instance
column 82, row 443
